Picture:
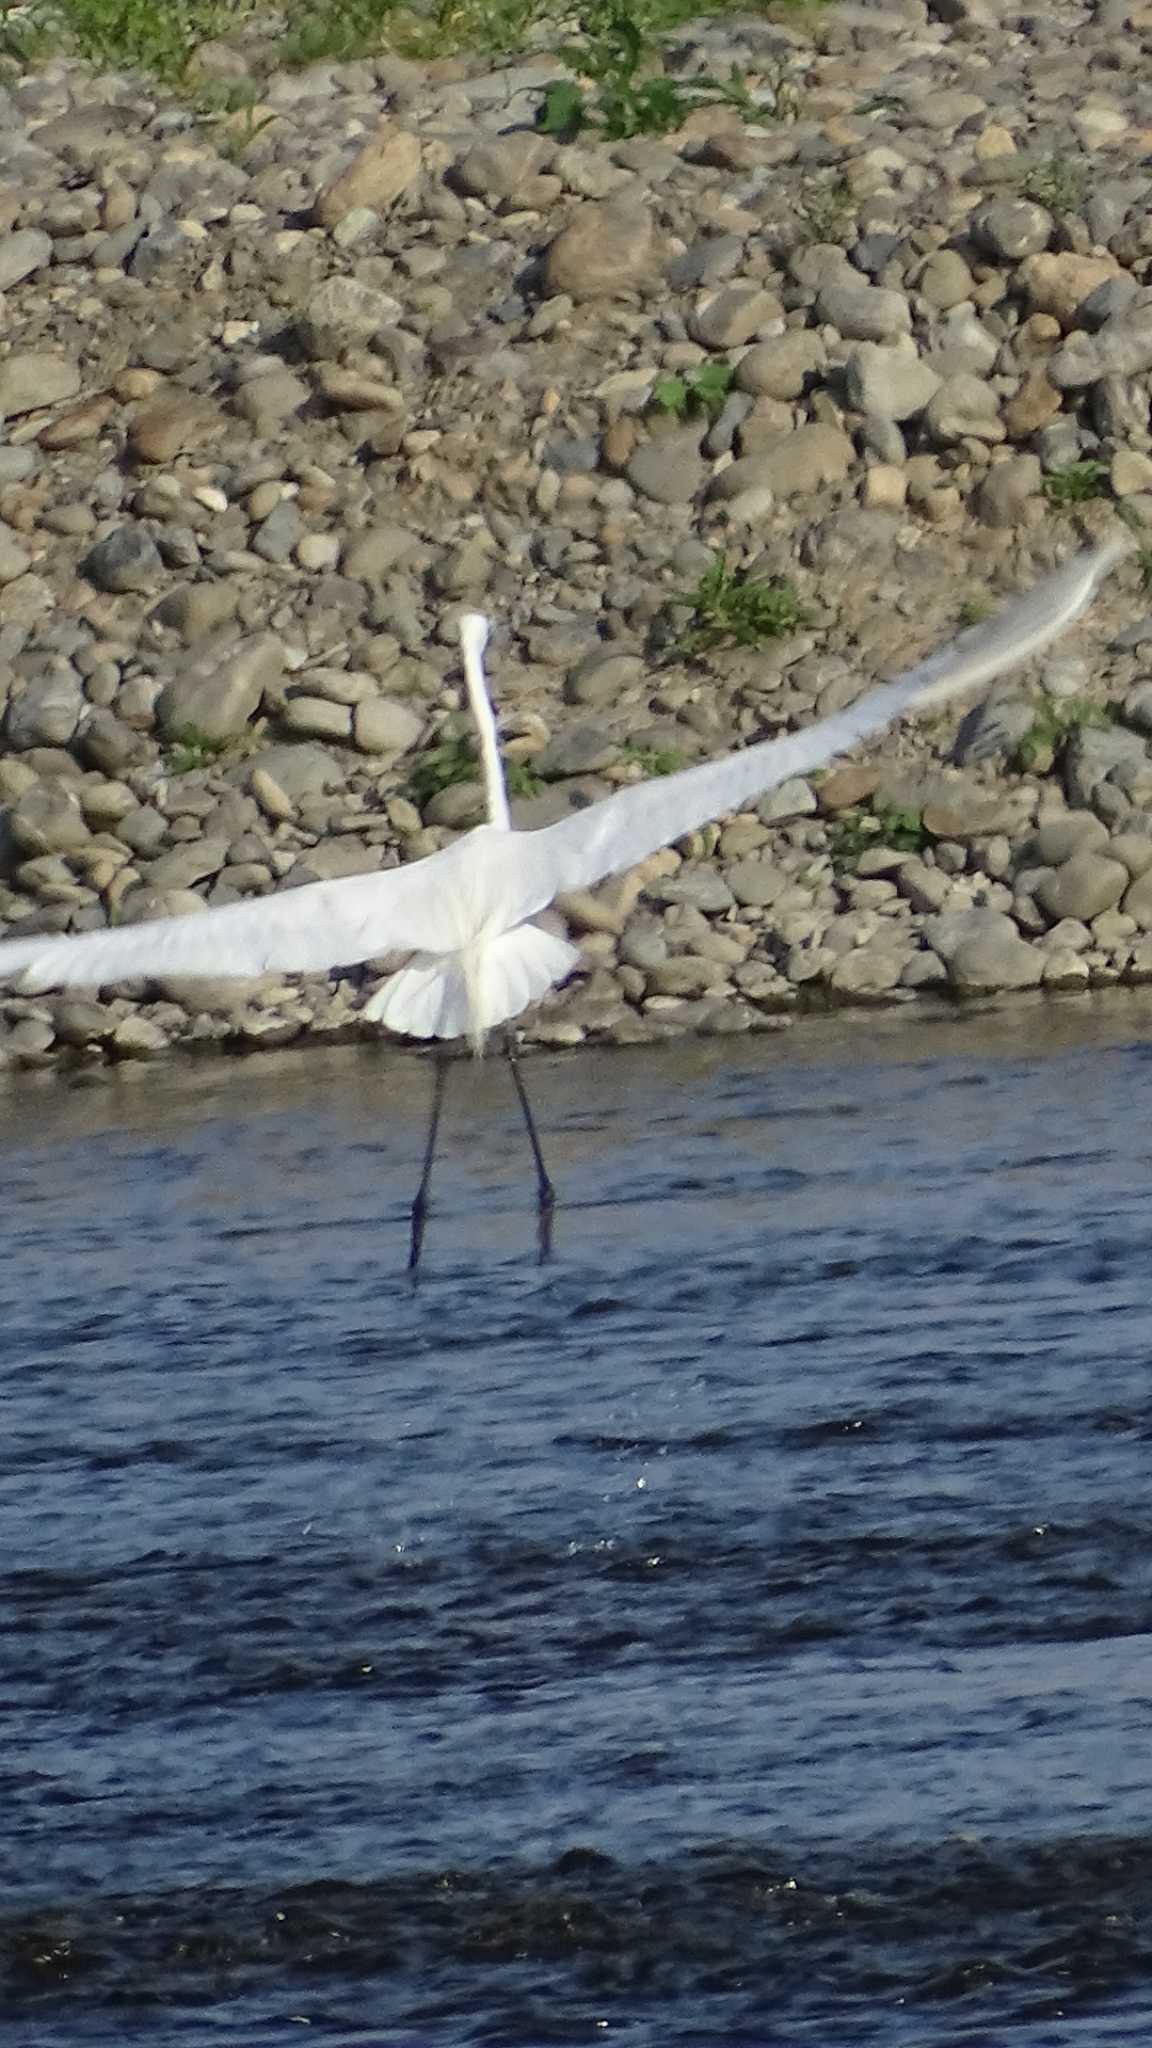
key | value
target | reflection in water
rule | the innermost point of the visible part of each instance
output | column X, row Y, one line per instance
column 736, row 1630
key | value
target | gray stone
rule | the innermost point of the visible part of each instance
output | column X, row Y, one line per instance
column 793, row 464
column 216, row 697
column 299, row 772
column 873, row 970
column 47, row 819
column 1011, row 228
column 582, row 750
column 21, row 253
column 964, row 408
column 126, row 559
column 1121, row 348
column 385, row 727
column 888, row 382
column 864, row 312
column 317, row 718
column 732, row 315
column 1007, row 489
column 46, row 713
column 35, row 377
column 602, row 679
column 184, row 866
column 1062, row 838
column 669, row 469
column 755, row 883
column 277, row 536
column 781, row 367
column 1082, row 887
column 343, row 310
column 1090, row 757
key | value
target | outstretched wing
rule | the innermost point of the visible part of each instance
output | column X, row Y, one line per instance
column 622, row 829
column 434, row 905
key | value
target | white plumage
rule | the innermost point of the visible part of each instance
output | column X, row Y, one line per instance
column 463, row 913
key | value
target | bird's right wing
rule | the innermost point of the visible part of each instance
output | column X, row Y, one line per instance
column 430, row 905
column 620, row 830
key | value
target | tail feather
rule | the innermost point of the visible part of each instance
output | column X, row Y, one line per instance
column 465, row 994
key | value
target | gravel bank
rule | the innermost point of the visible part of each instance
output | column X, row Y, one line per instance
column 281, row 392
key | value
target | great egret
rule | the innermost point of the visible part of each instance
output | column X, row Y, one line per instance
column 463, row 914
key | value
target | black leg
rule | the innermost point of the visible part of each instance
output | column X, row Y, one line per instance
column 420, row 1205
column 545, row 1192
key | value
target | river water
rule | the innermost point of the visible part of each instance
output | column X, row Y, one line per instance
column 736, row 1632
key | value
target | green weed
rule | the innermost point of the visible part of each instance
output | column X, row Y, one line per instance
column 619, row 53
column 139, row 35
column 1051, row 729
column 450, row 760
column 702, row 390
column 1057, row 184
column 1073, row 483
column 454, row 760
column 654, row 760
column 853, row 832
column 190, row 749
column 729, row 607
column 974, row 610
column 827, row 212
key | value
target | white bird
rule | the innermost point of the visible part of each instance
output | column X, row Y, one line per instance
column 464, row 914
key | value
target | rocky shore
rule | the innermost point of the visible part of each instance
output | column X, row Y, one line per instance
column 283, row 390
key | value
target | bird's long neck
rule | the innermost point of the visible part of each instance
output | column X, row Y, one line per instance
column 495, row 793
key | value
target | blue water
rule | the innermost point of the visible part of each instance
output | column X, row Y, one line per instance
column 735, row 1631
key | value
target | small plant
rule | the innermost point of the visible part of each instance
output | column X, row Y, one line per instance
column 450, row 760
column 653, row 760
column 190, row 749
column 1053, row 726
column 702, row 390
column 974, row 610
column 1073, row 483
column 827, row 212
column 728, row 606
column 619, row 53
column 521, row 780
column 854, row 831
column 1057, row 184
column 135, row 34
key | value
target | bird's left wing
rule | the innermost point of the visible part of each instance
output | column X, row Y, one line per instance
column 620, row 830
column 432, row 905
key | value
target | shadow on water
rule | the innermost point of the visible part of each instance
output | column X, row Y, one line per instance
column 734, row 1632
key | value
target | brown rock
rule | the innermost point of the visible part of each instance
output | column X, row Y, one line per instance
column 1034, row 405
column 605, row 251
column 1059, row 282
column 172, row 426
column 844, row 788
column 385, row 168
column 351, row 391
column 80, row 423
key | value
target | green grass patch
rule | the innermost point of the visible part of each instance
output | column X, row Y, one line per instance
column 702, row 390
column 455, row 759
column 728, row 607
column 654, row 760
column 190, row 749
column 853, row 832
column 1055, row 723
column 1073, row 483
